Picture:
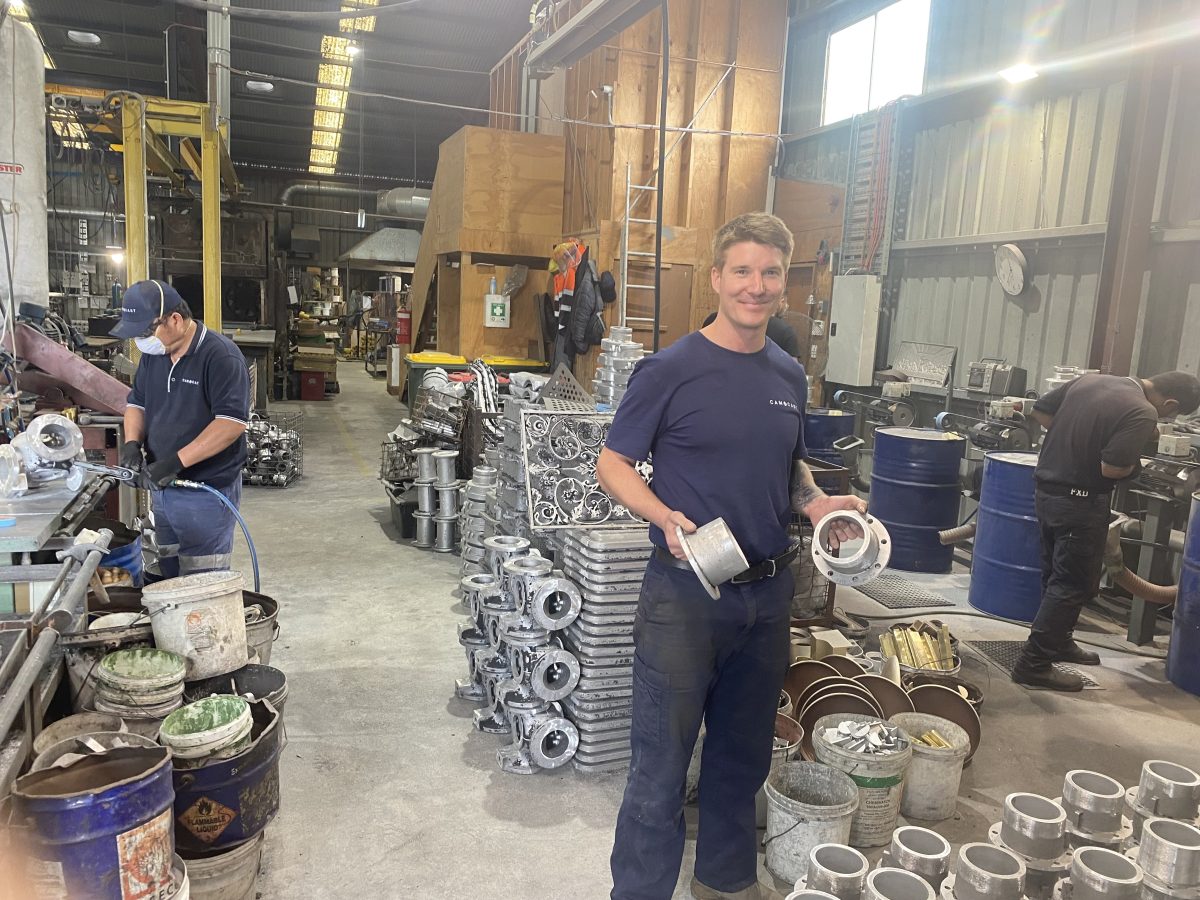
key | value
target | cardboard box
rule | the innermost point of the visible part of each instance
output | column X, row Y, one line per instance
column 315, row 359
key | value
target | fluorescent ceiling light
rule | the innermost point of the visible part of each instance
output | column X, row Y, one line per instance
column 260, row 87
column 330, row 139
column 320, row 170
column 85, row 38
column 333, row 77
column 352, row 50
column 1018, row 73
column 333, row 74
column 362, row 23
column 331, row 99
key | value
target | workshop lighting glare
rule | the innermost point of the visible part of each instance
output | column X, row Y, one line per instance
column 17, row 7
column 1018, row 73
column 84, row 38
column 321, row 170
column 117, row 255
column 352, row 50
column 260, row 87
column 331, row 140
column 331, row 99
column 328, row 120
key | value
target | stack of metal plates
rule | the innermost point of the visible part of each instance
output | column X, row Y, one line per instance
column 607, row 565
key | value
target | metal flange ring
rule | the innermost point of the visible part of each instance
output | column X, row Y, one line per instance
column 555, row 603
column 553, row 742
column 555, row 675
column 865, row 563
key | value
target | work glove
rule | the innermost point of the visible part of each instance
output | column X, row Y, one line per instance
column 161, row 472
column 131, row 455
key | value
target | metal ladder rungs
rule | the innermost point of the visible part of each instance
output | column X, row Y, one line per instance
column 640, row 287
column 644, row 187
column 636, row 319
column 645, row 221
column 639, row 253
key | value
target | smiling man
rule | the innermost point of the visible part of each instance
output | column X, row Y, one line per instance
column 187, row 411
column 722, row 412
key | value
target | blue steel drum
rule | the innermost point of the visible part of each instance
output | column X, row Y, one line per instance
column 1006, row 569
column 915, row 492
column 824, row 426
column 1183, row 658
column 230, row 801
column 101, row 828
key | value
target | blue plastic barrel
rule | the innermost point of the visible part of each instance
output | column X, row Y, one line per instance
column 1183, row 658
column 915, row 492
column 824, row 426
column 103, row 825
column 1006, row 569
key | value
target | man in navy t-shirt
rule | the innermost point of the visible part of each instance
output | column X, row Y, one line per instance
column 187, row 411
column 722, row 412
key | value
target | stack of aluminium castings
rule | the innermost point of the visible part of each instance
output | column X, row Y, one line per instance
column 510, row 506
column 607, row 565
column 619, row 354
column 426, row 496
column 274, row 454
column 517, row 666
column 474, row 524
column 446, row 486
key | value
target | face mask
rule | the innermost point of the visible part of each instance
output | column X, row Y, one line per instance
column 151, row 346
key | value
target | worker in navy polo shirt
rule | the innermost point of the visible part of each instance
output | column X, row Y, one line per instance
column 722, row 412
column 187, row 414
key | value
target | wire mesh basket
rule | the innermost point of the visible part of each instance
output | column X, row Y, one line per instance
column 812, row 602
column 439, row 415
column 274, row 449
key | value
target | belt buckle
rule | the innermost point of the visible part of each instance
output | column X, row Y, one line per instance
column 774, row 568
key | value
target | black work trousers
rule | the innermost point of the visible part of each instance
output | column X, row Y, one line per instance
column 1074, row 530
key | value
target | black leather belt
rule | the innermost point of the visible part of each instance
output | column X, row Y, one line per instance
column 768, row 568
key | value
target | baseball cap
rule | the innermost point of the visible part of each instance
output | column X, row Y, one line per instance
column 142, row 304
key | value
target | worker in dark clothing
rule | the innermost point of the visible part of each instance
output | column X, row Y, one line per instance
column 778, row 330
column 722, row 410
column 1096, row 430
column 187, row 415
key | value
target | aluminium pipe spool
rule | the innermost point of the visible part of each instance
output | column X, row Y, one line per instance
column 897, row 884
column 445, row 463
column 866, row 562
column 1166, row 790
column 1035, row 828
column 837, row 869
column 1101, row 874
column 1093, row 803
column 920, row 851
column 425, row 530
column 985, row 872
column 1169, row 855
column 426, row 469
column 714, row 554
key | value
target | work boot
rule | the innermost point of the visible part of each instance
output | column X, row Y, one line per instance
column 1046, row 678
column 702, row 891
column 1077, row 656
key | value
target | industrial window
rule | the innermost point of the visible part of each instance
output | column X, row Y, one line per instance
column 876, row 60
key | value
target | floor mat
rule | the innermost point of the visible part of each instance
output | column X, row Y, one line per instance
column 897, row 592
column 1003, row 655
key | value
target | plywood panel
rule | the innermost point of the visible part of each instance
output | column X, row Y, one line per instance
column 813, row 211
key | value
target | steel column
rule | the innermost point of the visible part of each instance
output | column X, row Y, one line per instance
column 210, row 208
column 137, row 233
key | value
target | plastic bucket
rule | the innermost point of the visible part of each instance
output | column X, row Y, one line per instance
column 101, row 828
column 788, row 735
column 85, row 745
column 229, row 874
column 200, row 617
column 73, row 726
column 216, row 727
column 879, row 777
column 261, row 628
column 253, row 682
column 143, row 683
column 807, row 804
column 931, row 785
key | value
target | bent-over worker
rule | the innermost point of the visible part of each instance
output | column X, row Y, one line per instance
column 187, row 412
column 1096, row 429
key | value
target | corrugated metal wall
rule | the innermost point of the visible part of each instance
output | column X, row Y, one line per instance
column 1044, row 164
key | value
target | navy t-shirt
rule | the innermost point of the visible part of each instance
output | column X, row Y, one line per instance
column 179, row 400
column 724, row 429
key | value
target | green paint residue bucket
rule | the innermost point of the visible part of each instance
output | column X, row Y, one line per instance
column 217, row 727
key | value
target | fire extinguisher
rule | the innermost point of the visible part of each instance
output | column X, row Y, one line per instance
column 403, row 324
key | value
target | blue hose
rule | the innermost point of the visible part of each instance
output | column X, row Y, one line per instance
column 200, row 486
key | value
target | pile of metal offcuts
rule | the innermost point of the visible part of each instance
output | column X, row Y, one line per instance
column 274, row 451
column 874, row 737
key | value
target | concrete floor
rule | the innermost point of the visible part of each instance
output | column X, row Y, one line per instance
column 387, row 791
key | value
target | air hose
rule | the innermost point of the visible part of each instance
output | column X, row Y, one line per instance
column 200, row 486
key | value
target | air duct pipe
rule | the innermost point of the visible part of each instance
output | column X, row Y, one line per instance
column 396, row 203
column 218, row 59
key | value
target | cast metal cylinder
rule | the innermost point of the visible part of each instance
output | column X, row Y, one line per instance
column 555, row 674
column 426, row 469
column 810, row 894
column 1093, row 803
column 1033, row 826
column 986, row 872
column 484, row 476
column 519, row 575
column 500, row 549
column 425, row 530
column 445, row 539
column 1168, row 790
column 859, row 566
column 447, row 501
column 1101, row 874
column 426, row 497
column 1170, row 853
column 554, row 603
column 838, row 869
column 444, row 465
column 920, row 851
column 897, row 884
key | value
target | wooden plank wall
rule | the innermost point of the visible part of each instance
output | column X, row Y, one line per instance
column 708, row 178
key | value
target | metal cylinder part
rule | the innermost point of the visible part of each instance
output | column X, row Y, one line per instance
column 984, row 872
column 620, row 333
column 1033, row 826
column 838, row 869
column 1092, row 802
column 555, row 674
column 447, row 501
column 1168, row 790
column 500, row 549
column 1101, row 874
column 860, row 565
column 553, row 742
column 484, row 476
column 810, row 894
column 920, row 851
column 425, row 530
column 555, row 603
column 426, row 497
column 1170, row 853
column 445, row 462
column 445, row 540
column 426, row 469
column 897, row 884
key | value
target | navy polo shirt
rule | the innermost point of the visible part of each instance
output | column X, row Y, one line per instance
column 724, row 429
column 180, row 400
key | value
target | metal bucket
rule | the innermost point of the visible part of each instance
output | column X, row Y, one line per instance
column 258, row 682
column 228, row 874
column 101, row 827
column 261, row 633
column 231, row 800
column 915, row 492
column 1183, row 659
column 85, row 745
column 1006, row 570
column 824, row 426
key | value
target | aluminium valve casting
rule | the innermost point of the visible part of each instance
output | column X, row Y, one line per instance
column 542, row 738
column 1035, row 828
column 920, row 851
column 1166, row 790
column 1169, row 856
column 836, row 870
column 1098, row 873
column 1093, row 803
column 985, row 872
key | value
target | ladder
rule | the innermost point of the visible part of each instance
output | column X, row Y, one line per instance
column 627, row 253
